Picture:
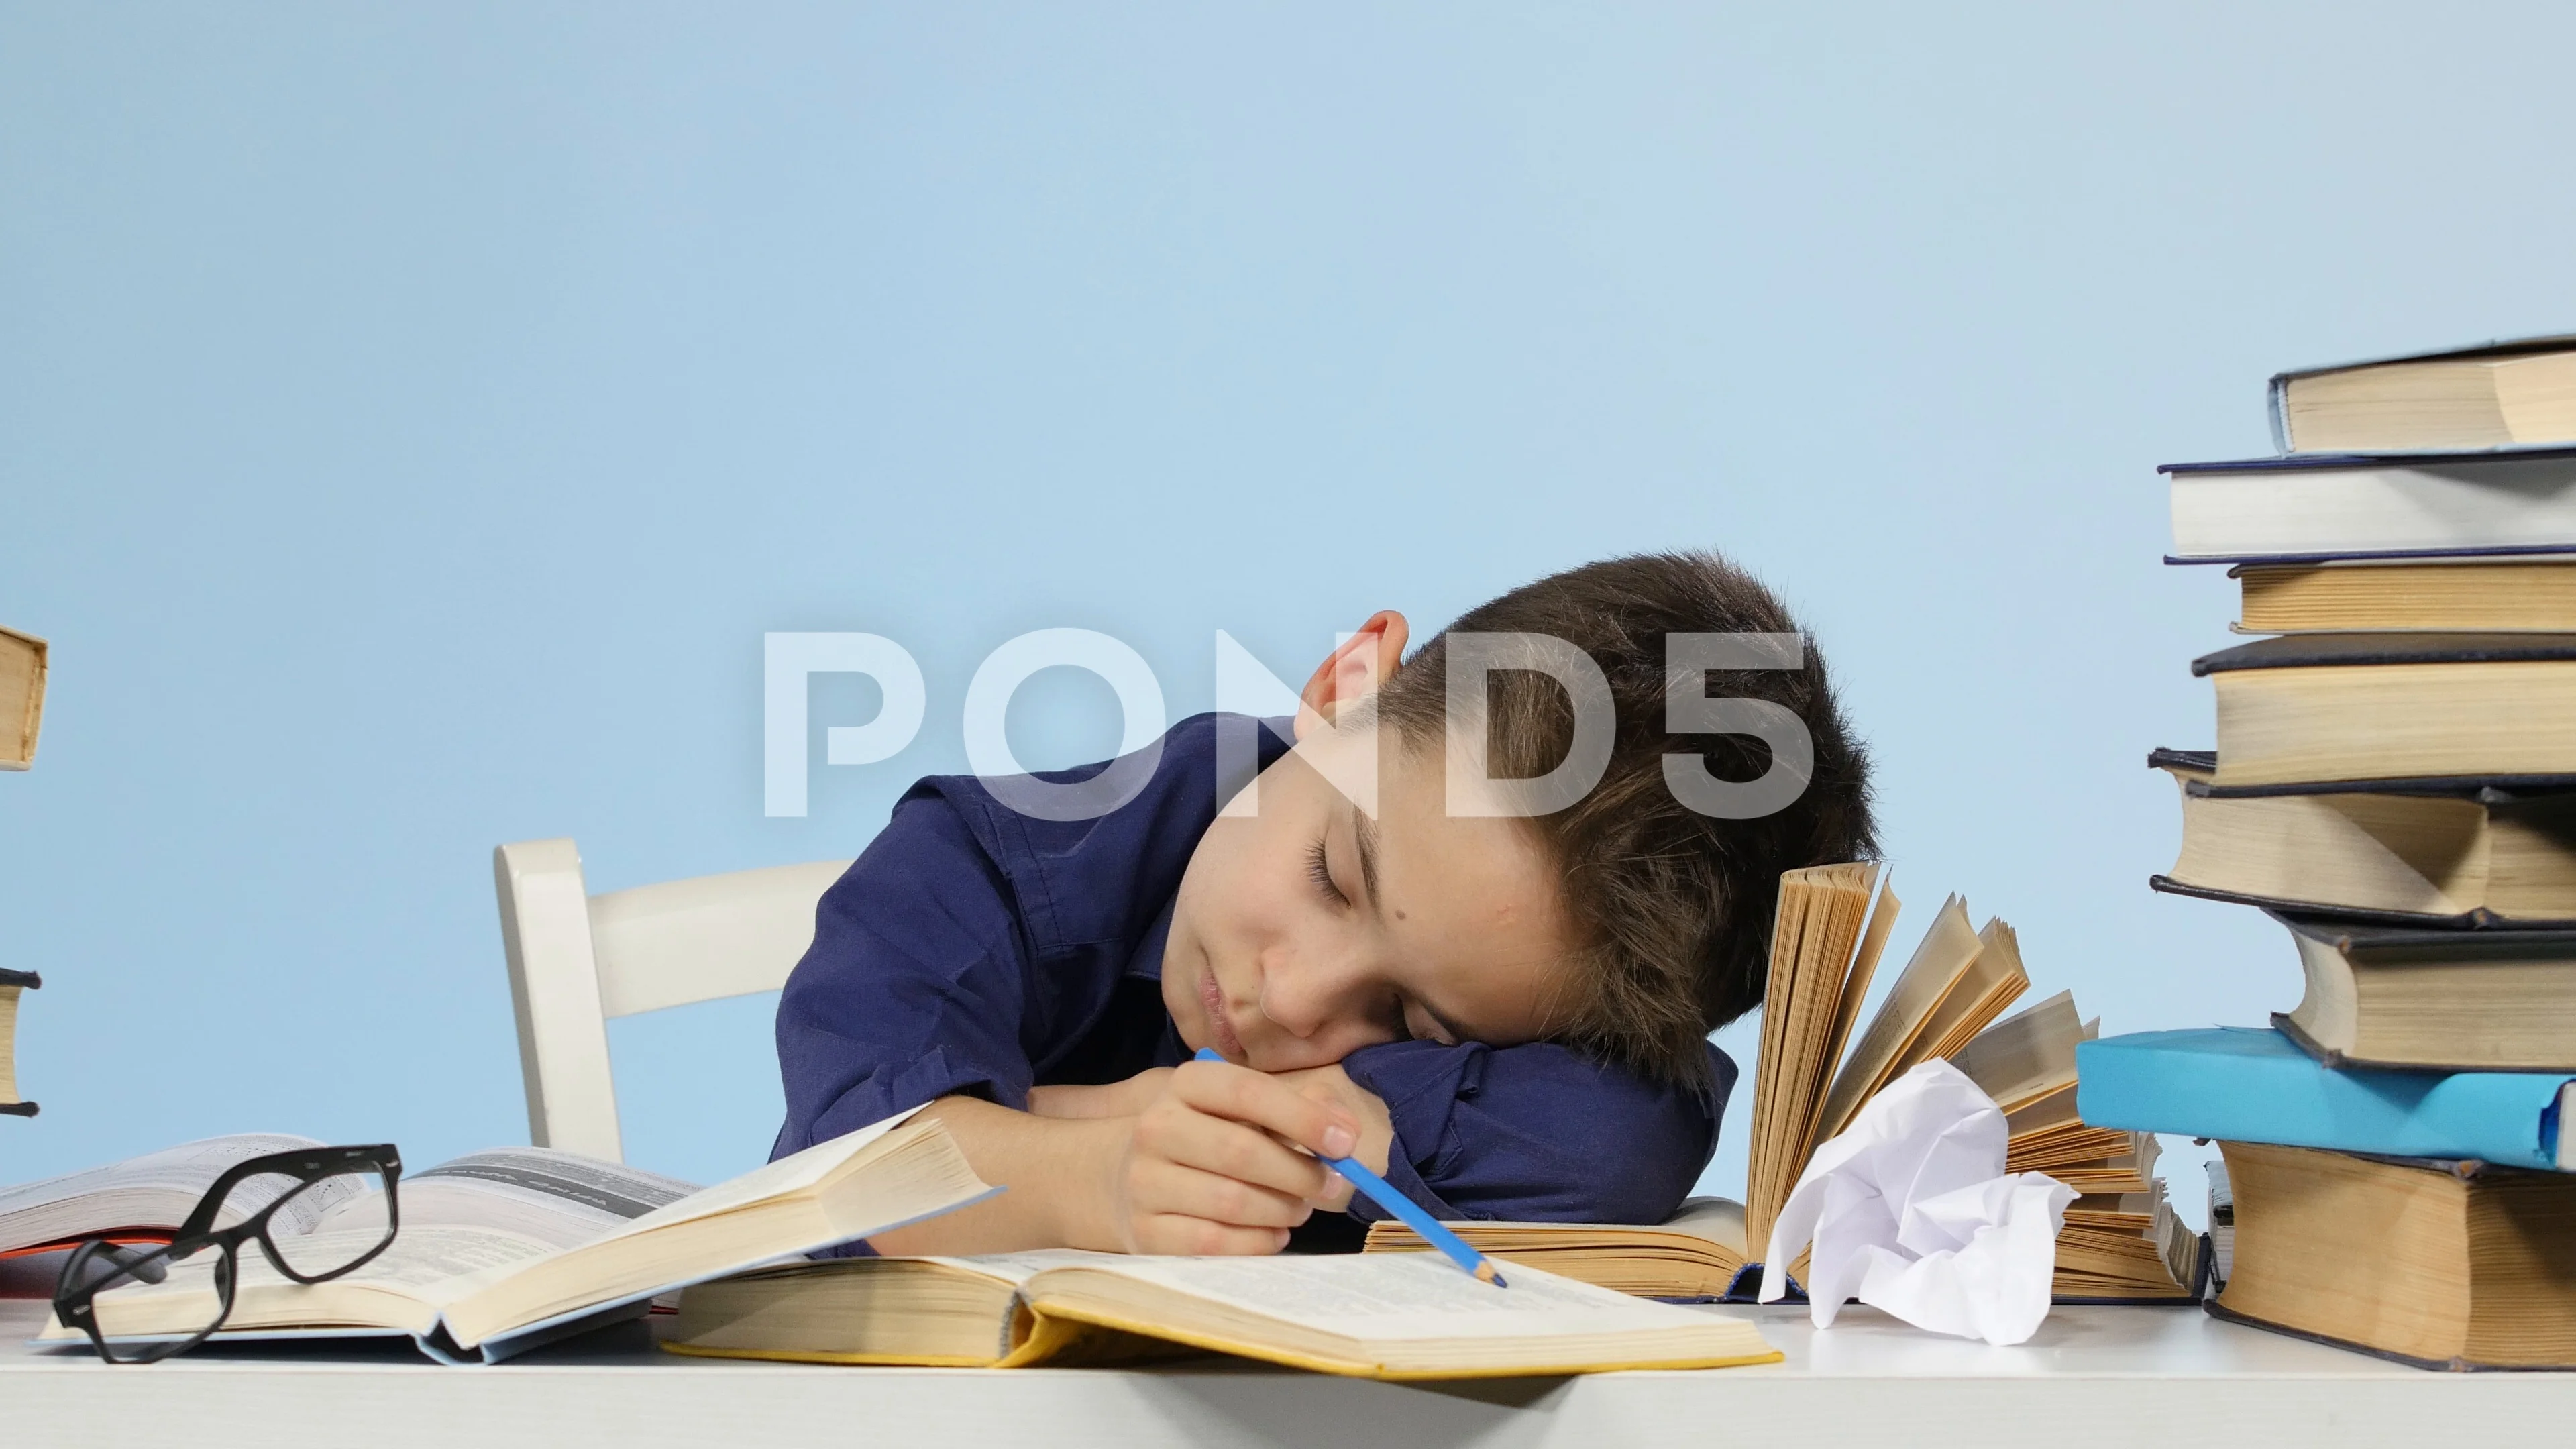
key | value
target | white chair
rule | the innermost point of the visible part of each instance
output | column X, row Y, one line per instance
column 577, row 960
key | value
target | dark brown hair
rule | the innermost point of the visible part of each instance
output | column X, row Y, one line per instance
column 1673, row 907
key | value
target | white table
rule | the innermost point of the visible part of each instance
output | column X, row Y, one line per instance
column 2092, row 1377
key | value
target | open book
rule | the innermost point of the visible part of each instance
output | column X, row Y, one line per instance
column 2121, row 1241
column 501, row 1251
column 1822, row 958
column 144, row 1199
column 1413, row 1317
column 1695, row 1253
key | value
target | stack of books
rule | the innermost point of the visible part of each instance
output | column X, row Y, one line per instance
column 2395, row 784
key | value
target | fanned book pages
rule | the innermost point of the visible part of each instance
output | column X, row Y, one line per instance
column 502, row 1251
column 1825, row 943
column 2122, row 1242
column 1822, row 958
column 1386, row 1317
column 12, row 985
column 22, row 697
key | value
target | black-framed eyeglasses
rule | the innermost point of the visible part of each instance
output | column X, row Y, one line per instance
column 339, row 1212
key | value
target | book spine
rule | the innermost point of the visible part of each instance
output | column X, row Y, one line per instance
column 2277, row 404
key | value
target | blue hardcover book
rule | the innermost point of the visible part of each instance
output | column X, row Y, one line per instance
column 2243, row 1084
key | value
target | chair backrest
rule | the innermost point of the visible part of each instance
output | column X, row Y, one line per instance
column 577, row 960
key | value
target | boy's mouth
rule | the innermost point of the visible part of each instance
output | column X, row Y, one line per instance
column 1228, row 1045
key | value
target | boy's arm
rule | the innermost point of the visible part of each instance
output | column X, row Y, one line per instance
column 1538, row 1133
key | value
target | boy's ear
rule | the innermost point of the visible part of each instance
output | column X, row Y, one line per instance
column 1353, row 671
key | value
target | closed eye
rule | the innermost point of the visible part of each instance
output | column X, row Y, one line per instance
column 1319, row 871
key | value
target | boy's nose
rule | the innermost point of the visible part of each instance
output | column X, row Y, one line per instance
column 1306, row 998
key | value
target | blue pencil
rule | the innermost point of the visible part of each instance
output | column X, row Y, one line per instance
column 1381, row 1192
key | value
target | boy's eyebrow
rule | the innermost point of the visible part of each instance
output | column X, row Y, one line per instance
column 1365, row 830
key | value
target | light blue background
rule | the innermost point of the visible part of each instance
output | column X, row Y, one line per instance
column 412, row 417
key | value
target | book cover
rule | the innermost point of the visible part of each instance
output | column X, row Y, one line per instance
column 2332, row 651
column 2255, row 1085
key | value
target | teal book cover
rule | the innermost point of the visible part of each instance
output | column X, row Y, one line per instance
column 2244, row 1084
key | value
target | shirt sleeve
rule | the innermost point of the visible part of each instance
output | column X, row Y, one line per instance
column 1538, row 1133
column 915, row 986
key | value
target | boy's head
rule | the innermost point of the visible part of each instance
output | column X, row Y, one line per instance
column 1464, row 906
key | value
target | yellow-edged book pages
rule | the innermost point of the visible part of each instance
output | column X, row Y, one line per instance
column 1383, row 1316
column 1695, row 1253
column 1822, row 957
column 22, row 697
column 1942, row 961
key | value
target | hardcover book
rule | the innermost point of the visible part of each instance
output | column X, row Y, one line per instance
column 2391, row 996
column 2391, row 710
column 2243, row 1084
column 12, row 985
column 22, row 697
column 2461, row 853
column 2507, row 593
column 2442, row 1264
column 490, row 1261
column 2495, row 395
column 2311, row 507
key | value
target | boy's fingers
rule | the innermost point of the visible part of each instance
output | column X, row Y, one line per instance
column 1245, row 1095
column 1172, row 1233
column 1336, row 1195
column 1170, row 1187
column 1231, row 1149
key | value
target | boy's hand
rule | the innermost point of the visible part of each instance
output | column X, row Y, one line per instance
column 1212, row 1164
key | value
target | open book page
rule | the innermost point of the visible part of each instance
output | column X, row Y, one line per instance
column 897, row 1171
column 2027, row 1055
column 1945, row 955
column 155, row 1190
column 797, row 1172
column 1814, row 932
column 558, row 1198
column 1993, row 981
column 1019, row 1268
column 464, row 1223
column 396, row 1292
column 1718, row 1219
column 1374, row 1297
column 1864, row 969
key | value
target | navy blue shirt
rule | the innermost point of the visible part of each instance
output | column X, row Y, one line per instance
column 976, row 951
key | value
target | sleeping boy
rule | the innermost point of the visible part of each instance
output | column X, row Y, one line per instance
column 1502, row 1004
